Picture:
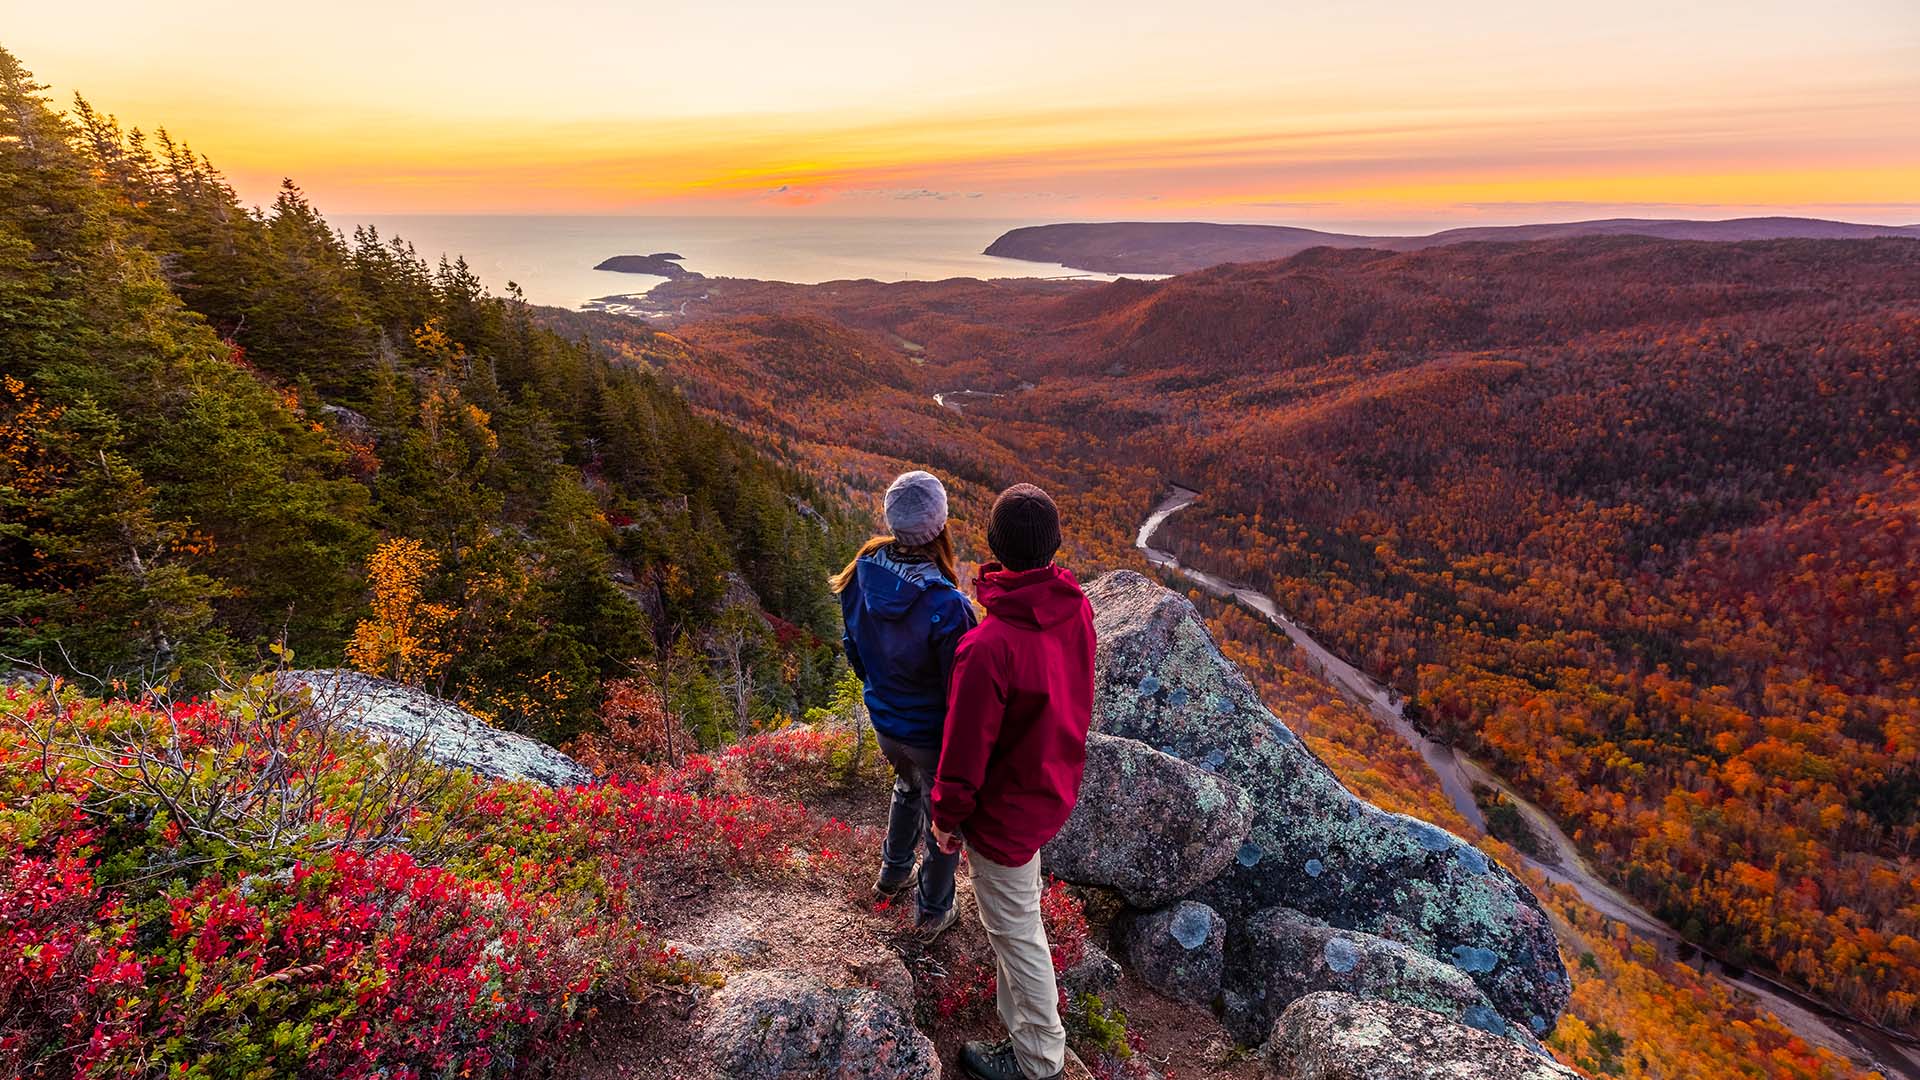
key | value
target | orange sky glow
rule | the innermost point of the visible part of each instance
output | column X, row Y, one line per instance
column 1370, row 110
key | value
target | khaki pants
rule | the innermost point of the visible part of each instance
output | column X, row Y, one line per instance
column 1029, row 1000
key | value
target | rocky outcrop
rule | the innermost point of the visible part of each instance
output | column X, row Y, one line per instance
column 1313, row 845
column 1331, row 1036
column 782, row 1025
column 355, row 426
column 1194, row 822
column 448, row 734
column 1279, row 955
column 1180, row 951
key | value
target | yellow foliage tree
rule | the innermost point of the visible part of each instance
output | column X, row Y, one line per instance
column 403, row 639
column 433, row 343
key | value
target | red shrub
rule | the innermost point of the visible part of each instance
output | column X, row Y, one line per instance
column 135, row 940
column 1066, row 921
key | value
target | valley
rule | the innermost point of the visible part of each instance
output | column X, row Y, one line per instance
column 1458, row 775
column 1488, row 512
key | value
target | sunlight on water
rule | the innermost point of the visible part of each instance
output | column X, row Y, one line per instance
column 552, row 257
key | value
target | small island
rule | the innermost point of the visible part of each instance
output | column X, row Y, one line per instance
column 664, row 264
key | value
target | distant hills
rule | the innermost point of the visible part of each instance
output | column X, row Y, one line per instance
column 1176, row 247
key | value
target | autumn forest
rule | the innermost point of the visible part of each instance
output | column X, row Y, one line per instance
column 1633, row 521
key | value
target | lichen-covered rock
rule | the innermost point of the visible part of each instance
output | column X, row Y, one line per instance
column 1179, row 951
column 1277, row 956
column 1148, row 825
column 1332, row 1036
column 446, row 733
column 1313, row 845
column 1094, row 973
column 782, row 1025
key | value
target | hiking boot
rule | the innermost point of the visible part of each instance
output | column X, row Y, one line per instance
column 887, row 890
column 996, row 1061
column 926, row 931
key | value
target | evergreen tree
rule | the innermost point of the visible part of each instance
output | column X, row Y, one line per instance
column 213, row 414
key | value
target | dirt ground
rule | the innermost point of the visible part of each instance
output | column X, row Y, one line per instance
column 833, row 930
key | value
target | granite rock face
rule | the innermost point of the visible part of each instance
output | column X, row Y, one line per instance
column 1147, row 825
column 887, row 974
column 1331, row 1036
column 1314, row 846
column 448, row 734
column 782, row 1025
column 1278, row 956
column 1180, row 951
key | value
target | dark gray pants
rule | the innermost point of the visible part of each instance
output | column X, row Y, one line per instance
column 910, row 826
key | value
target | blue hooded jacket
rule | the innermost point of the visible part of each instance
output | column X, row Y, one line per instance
column 903, row 621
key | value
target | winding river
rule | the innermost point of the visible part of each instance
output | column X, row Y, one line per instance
column 1865, row 1044
column 957, row 399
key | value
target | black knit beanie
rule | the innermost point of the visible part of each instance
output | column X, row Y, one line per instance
column 1025, row 531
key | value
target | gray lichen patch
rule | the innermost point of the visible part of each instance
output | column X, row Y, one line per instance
column 1190, row 925
column 1340, row 954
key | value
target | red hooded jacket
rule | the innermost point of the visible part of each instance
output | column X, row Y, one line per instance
column 1018, row 710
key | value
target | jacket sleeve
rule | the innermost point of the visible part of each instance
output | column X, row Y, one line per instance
column 847, row 601
column 976, row 706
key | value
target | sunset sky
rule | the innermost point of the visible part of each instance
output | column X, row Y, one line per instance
column 1362, row 111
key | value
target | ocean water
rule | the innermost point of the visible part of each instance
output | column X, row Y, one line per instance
column 552, row 257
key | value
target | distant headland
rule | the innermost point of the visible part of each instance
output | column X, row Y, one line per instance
column 1177, row 247
column 664, row 264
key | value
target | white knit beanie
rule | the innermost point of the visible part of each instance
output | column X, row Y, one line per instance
column 916, row 508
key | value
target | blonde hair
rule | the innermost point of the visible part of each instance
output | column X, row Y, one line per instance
column 939, row 550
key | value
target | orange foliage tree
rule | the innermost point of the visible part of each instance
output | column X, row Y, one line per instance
column 402, row 638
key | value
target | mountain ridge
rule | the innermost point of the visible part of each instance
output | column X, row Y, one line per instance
column 1176, row 247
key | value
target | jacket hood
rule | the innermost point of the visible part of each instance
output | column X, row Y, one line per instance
column 1036, row 599
column 890, row 586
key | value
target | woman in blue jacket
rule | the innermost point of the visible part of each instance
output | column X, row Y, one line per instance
column 904, row 614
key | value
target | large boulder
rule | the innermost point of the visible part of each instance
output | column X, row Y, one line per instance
column 782, row 1025
column 1148, row 825
column 1314, row 846
column 1332, row 1036
column 1279, row 955
column 1180, row 951
column 391, row 712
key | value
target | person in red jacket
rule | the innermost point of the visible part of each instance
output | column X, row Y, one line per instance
column 1018, row 709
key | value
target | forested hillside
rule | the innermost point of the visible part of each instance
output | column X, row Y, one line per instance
column 224, row 430
column 1634, row 520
